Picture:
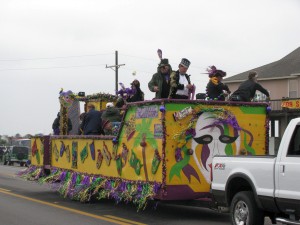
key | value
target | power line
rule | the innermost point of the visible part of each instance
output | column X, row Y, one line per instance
column 138, row 57
column 54, row 67
column 57, row 57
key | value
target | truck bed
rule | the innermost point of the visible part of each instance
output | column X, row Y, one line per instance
column 257, row 168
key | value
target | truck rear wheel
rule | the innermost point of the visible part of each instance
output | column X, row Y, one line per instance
column 244, row 210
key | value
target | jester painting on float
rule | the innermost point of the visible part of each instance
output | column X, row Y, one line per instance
column 218, row 134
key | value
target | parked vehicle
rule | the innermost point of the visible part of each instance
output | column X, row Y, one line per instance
column 2, row 150
column 16, row 154
column 24, row 142
column 259, row 186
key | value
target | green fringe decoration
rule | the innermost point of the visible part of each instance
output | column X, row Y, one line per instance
column 50, row 178
column 78, row 186
column 32, row 173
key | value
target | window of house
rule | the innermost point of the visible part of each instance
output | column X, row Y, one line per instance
column 293, row 88
column 294, row 147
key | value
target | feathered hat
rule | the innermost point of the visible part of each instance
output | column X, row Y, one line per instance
column 214, row 72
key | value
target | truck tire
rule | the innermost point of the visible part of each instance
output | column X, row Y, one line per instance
column 244, row 211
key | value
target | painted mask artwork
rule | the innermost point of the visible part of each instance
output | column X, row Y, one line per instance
column 214, row 136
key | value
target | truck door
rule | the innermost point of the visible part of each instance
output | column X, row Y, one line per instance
column 287, row 191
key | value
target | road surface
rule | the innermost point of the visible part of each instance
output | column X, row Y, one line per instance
column 29, row 203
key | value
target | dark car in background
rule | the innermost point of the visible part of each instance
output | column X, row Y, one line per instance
column 16, row 154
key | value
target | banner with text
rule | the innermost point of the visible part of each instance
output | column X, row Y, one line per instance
column 291, row 104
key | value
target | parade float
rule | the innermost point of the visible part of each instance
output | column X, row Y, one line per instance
column 161, row 150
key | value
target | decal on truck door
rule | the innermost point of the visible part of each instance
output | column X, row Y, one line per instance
column 219, row 166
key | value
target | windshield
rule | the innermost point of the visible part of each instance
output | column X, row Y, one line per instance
column 23, row 150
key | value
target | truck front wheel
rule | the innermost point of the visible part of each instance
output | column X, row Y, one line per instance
column 244, row 210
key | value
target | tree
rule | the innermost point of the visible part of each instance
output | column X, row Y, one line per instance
column 18, row 135
column 28, row 136
column 3, row 142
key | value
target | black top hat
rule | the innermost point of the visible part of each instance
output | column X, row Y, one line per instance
column 185, row 62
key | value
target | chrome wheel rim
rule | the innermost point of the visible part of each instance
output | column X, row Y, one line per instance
column 241, row 213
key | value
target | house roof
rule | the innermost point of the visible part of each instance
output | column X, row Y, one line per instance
column 284, row 67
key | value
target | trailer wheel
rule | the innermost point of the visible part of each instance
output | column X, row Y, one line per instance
column 244, row 210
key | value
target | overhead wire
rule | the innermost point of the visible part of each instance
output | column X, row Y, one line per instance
column 79, row 56
column 56, row 57
column 54, row 67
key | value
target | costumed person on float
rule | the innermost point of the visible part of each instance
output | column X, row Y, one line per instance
column 110, row 117
column 132, row 94
column 215, row 89
column 160, row 81
column 247, row 89
column 181, row 87
column 137, row 93
column 56, row 125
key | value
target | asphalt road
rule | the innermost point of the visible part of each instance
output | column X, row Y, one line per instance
column 29, row 203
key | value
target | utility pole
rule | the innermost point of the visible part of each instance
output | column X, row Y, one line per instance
column 116, row 68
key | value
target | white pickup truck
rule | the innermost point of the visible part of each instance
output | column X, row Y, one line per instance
column 253, row 187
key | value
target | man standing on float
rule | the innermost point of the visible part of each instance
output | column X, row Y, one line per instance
column 180, row 81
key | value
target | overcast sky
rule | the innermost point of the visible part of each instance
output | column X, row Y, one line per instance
column 46, row 45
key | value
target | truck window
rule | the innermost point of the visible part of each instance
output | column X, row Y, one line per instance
column 294, row 147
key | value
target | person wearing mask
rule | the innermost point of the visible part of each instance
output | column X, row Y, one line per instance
column 160, row 82
column 92, row 122
column 215, row 89
column 180, row 81
column 247, row 89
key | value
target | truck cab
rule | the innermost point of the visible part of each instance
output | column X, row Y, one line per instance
column 287, row 168
column 258, row 186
